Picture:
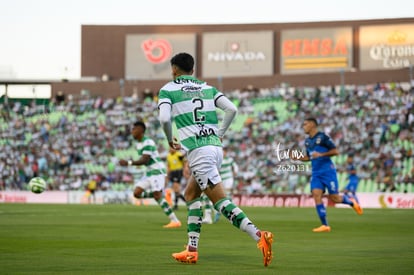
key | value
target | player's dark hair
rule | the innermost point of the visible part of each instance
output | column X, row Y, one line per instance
column 141, row 124
column 312, row 119
column 184, row 61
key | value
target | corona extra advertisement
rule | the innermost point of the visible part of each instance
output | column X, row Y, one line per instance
column 228, row 54
column 147, row 56
column 316, row 50
column 386, row 47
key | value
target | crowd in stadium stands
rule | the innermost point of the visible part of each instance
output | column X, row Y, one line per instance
column 73, row 141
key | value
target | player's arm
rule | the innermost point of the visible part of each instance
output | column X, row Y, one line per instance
column 164, row 107
column 328, row 143
column 330, row 153
column 143, row 160
column 165, row 120
column 230, row 111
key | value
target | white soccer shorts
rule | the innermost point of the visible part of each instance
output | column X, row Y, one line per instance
column 152, row 183
column 205, row 163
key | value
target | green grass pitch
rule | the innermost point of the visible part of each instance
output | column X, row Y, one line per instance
column 126, row 239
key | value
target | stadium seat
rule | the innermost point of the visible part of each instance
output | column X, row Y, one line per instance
column 362, row 185
column 410, row 188
column 307, row 189
column 369, row 185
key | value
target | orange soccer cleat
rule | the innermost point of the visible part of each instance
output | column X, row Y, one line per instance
column 172, row 224
column 265, row 245
column 322, row 228
column 187, row 257
column 357, row 207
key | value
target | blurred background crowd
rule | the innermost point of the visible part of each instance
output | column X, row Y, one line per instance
column 73, row 142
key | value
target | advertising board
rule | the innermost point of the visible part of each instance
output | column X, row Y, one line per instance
column 316, row 50
column 386, row 47
column 231, row 54
column 147, row 56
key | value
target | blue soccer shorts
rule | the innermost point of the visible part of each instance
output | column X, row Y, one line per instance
column 352, row 185
column 325, row 181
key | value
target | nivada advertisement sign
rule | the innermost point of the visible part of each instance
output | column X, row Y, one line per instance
column 316, row 50
column 386, row 47
column 147, row 56
column 237, row 54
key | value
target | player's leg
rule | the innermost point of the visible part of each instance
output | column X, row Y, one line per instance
column 349, row 189
column 177, row 188
column 168, row 191
column 195, row 213
column 230, row 211
column 139, row 189
column 196, row 159
column 240, row 220
column 211, row 181
column 228, row 187
column 354, row 195
column 157, row 184
column 353, row 185
column 317, row 189
column 320, row 210
column 143, row 190
column 194, row 217
column 332, row 187
column 216, row 215
column 208, row 206
column 336, row 198
column 204, row 163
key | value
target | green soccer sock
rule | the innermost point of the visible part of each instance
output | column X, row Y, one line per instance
column 167, row 209
column 237, row 217
column 195, row 214
column 208, row 206
column 146, row 194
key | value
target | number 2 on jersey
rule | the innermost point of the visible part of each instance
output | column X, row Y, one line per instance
column 199, row 104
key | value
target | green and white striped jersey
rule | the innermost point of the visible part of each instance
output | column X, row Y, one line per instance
column 193, row 109
column 155, row 166
column 226, row 170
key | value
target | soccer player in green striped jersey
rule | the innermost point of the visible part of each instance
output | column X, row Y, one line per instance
column 192, row 104
column 152, row 184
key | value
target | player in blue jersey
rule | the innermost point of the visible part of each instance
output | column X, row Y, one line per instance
column 319, row 150
column 350, row 189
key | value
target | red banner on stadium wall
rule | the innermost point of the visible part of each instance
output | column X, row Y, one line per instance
column 385, row 200
column 29, row 197
column 367, row 200
column 276, row 200
column 316, row 50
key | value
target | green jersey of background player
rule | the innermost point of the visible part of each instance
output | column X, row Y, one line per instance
column 192, row 104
